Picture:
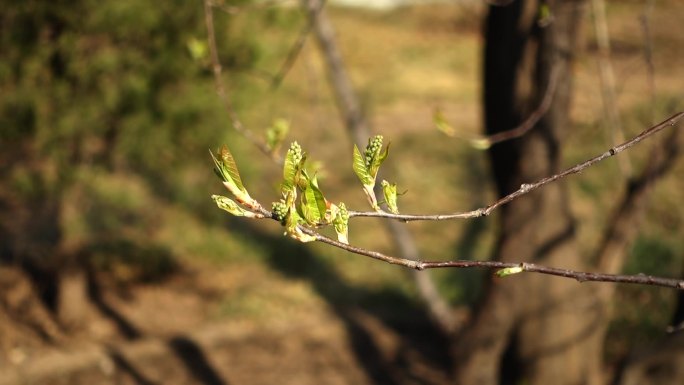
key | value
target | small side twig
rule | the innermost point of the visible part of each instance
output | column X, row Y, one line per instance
column 486, row 141
column 292, row 55
column 645, row 20
column 533, row 118
column 217, row 69
column 607, row 80
column 526, row 188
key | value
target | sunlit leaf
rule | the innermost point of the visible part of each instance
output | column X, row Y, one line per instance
column 509, row 271
column 481, row 143
column 389, row 190
column 313, row 205
column 226, row 167
column 321, row 203
column 377, row 161
column 341, row 222
column 301, row 236
column 292, row 225
column 360, row 169
column 198, row 48
column 227, row 204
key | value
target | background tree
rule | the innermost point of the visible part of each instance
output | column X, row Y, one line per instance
column 98, row 90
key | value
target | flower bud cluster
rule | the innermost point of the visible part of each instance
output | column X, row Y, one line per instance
column 279, row 210
column 296, row 152
column 373, row 149
column 343, row 213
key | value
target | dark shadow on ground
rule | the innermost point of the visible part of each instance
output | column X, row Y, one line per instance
column 420, row 341
column 195, row 361
column 95, row 294
column 122, row 364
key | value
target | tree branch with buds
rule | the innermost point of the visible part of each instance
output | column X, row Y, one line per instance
column 303, row 209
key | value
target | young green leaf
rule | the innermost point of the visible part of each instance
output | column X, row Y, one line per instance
column 390, row 193
column 228, row 168
column 292, row 222
column 377, row 162
column 319, row 199
column 197, row 48
column 341, row 222
column 313, row 205
column 480, row 143
column 228, row 205
column 301, row 236
column 510, row 271
column 360, row 168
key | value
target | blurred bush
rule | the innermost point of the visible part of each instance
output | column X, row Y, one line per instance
column 106, row 88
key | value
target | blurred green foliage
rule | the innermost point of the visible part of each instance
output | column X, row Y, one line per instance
column 92, row 88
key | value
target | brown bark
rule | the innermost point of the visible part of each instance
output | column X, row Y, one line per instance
column 539, row 328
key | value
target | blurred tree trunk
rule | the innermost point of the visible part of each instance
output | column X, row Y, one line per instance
column 539, row 329
column 359, row 130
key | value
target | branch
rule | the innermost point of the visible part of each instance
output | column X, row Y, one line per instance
column 292, row 54
column 529, row 123
column 526, row 188
column 623, row 222
column 607, row 80
column 510, row 268
column 235, row 9
column 579, row 276
column 217, row 69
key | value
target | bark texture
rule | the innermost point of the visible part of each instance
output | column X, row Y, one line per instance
column 538, row 328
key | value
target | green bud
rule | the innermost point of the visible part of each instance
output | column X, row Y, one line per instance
column 340, row 222
column 227, row 204
column 296, row 152
column 279, row 210
column 373, row 150
column 389, row 190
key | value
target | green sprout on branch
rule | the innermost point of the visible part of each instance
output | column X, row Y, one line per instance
column 226, row 169
column 302, row 204
column 366, row 167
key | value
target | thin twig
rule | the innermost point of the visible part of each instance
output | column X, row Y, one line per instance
column 645, row 19
column 292, row 55
column 526, row 188
column 486, row 141
column 607, row 81
column 533, row 118
column 235, row 9
column 220, row 87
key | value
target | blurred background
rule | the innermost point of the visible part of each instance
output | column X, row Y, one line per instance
column 117, row 267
